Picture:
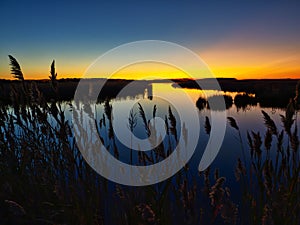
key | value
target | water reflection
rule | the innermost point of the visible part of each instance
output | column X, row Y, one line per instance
column 47, row 130
column 241, row 106
column 244, row 107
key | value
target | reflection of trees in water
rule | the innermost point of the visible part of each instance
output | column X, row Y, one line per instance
column 216, row 98
column 243, row 101
column 44, row 178
column 202, row 103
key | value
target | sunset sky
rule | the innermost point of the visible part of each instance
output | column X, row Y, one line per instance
column 254, row 39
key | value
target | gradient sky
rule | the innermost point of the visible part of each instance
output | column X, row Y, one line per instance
column 255, row 39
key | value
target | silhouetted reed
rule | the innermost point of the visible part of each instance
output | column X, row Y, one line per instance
column 233, row 124
column 16, row 69
column 53, row 78
column 272, row 183
column 44, row 179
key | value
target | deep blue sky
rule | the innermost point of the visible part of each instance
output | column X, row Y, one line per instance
column 76, row 32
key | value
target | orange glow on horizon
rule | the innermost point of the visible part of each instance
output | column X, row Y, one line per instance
column 149, row 70
column 224, row 60
column 241, row 58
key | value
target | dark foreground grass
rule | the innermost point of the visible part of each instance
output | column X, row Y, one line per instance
column 45, row 180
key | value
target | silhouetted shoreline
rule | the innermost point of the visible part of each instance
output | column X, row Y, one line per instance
column 268, row 92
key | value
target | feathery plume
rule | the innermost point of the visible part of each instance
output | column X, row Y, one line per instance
column 143, row 115
column 233, row 123
column 53, row 76
column 269, row 123
column 15, row 68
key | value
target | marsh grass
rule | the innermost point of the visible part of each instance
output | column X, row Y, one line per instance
column 45, row 180
column 273, row 194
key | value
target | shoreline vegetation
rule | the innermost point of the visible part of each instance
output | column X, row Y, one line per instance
column 45, row 180
column 268, row 92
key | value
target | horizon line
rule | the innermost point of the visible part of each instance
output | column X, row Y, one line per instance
column 162, row 79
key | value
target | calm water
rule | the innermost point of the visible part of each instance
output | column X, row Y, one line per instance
column 164, row 98
column 248, row 119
